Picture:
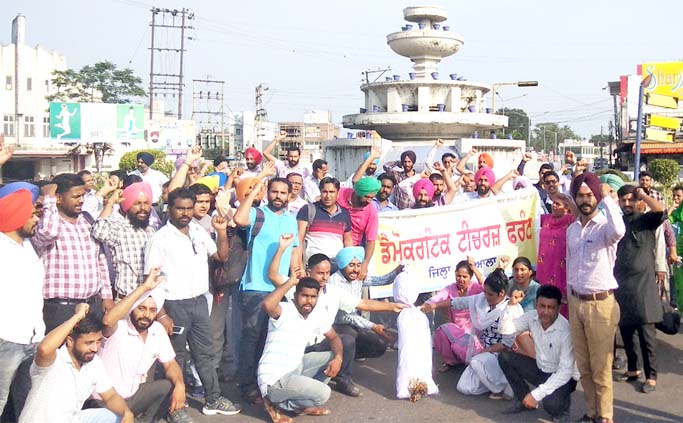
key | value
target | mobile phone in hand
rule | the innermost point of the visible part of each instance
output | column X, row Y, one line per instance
column 178, row 330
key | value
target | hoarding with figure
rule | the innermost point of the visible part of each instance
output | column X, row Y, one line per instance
column 96, row 122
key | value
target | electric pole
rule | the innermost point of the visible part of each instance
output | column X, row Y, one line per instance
column 207, row 111
column 166, row 81
column 261, row 114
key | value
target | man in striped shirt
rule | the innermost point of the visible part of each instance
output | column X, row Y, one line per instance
column 290, row 380
column 75, row 267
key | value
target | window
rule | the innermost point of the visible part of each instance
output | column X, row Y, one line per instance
column 29, row 84
column 8, row 83
column 29, row 126
column 46, row 127
column 8, row 125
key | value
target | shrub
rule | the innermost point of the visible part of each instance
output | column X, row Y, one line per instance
column 664, row 171
column 614, row 172
column 128, row 161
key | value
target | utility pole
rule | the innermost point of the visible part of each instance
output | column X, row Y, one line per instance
column 261, row 114
column 366, row 74
column 207, row 109
column 166, row 81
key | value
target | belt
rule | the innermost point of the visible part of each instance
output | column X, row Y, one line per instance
column 596, row 296
column 72, row 301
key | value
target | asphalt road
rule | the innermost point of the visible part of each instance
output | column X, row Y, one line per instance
column 378, row 403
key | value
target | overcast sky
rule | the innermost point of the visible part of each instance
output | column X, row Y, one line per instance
column 311, row 53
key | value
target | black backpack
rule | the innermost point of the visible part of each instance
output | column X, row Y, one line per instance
column 230, row 272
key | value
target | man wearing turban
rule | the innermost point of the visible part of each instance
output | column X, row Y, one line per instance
column 126, row 233
column 484, row 179
column 364, row 217
column 135, row 340
column 154, row 178
column 423, row 192
column 593, row 311
column 484, row 160
column 21, row 285
column 401, row 170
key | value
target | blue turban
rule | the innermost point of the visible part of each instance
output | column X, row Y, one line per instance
column 146, row 157
column 365, row 157
column 347, row 254
column 16, row 186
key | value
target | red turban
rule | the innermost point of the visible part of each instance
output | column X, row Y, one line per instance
column 485, row 171
column 251, row 151
column 131, row 194
column 15, row 210
column 423, row 184
column 591, row 181
column 486, row 157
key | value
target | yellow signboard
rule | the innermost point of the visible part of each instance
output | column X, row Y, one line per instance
column 667, row 78
column 659, row 135
column 664, row 122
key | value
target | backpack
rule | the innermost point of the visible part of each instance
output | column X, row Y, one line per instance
column 230, row 272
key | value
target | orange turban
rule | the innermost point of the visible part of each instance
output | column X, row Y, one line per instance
column 486, row 157
column 15, row 210
column 245, row 186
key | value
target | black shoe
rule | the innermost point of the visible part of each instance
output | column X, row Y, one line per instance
column 625, row 377
column 252, row 396
column 347, row 387
column 586, row 419
column 618, row 363
column 516, row 408
column 647, row 388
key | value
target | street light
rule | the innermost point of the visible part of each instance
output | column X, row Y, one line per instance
column 501, row 84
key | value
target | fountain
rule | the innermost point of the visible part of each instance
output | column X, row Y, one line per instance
column 412, row 113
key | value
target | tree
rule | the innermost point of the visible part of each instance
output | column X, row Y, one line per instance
column 664, row 171
column 518, row 123
column 98, row 83
column 129, row 161
column 545, row 136
column 101, row 82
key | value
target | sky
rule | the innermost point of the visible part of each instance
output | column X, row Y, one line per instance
column 312, row 53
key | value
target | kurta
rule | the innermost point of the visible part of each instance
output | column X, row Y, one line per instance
column 676, row 219
column 551, row 268
column 638, row 294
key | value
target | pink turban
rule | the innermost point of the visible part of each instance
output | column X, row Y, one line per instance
column 251, row 151
column 15, row 210
column 485, row 171
column 130, row 194
column 423, row 184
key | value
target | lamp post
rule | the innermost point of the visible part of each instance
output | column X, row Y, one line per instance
column 501, row 84
column 639, row 126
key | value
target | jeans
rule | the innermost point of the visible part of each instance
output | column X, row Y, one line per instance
column 647, row 338
column 348, row 351
column 253, row 339
column 11, row 356
column 150, row 401
column 98, row 415
column 55, row 314
column 304, row 387
column 224, row 326
column 193, row 315
column 521, row 370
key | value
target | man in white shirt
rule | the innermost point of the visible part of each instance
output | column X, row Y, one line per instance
column 19, row 263
column 154, row 178
column 64, row 377
column 182, row 249
column 296, row 202
column 289, row 379
column 292, row 164
column 553, row 370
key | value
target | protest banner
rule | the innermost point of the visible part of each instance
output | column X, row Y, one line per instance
column 432, row 241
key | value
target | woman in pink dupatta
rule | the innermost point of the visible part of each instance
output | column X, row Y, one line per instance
column 551, row 267
column 450, row 339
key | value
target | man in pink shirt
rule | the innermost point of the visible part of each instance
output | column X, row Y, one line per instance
column 364, row 220
column 134, row 340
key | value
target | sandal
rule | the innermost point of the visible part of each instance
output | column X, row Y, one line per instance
column 316, row 411
column 626, row 377
column 444, row 368
column 275, row 414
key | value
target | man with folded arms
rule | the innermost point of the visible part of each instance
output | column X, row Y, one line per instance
column 133, row 343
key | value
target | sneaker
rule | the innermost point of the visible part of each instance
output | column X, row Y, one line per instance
column 347, row 387
column 221, row 406
column 179, row 416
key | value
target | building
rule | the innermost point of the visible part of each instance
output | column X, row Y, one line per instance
column 26, row 74
column 309, row 135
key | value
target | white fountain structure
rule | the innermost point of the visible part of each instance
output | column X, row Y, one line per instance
column 412, row 113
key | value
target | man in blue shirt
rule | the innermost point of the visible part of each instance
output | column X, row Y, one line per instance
column 256, row 285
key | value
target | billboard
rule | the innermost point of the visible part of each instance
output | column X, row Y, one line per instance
column 667, row 77
column 171, row 134
column 96, row 122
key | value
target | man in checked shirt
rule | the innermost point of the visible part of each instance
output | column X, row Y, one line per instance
column 75, row 267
